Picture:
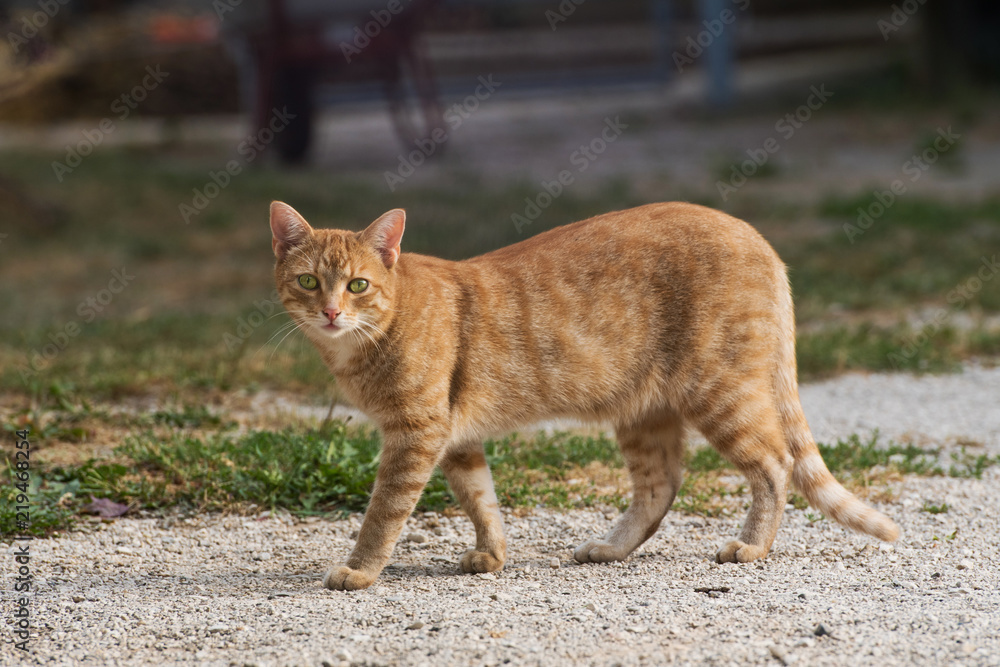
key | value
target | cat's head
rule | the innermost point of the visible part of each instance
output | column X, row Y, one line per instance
column 336, row 284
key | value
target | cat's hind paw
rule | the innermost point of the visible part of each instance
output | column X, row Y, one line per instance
column 598, row 551
column 345, row 579
column 739, row 552
column 480, row 561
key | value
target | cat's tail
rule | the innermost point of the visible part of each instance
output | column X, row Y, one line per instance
column 810, row 474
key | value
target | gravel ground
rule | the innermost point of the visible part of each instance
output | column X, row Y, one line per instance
column 235, row 590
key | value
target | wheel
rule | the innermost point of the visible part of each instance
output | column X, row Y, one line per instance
column 413, row 100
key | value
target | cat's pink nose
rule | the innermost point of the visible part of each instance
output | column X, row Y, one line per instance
column 331, row 313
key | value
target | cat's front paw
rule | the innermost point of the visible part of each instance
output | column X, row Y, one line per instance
column 598, row 551
column 345, row 579
column 739, row 552
column 480, row 561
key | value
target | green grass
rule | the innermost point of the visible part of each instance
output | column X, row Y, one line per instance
column 60, row 414
column 933, row 508
column 867, row 347
column 330, row 469
column 47, row 512
column 168, row 353
column 919, row 250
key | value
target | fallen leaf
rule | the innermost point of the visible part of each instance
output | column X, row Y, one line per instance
column 104, row 507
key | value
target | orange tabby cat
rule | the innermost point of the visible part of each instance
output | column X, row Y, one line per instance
column 650, row 318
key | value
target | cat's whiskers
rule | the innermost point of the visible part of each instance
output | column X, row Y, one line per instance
column 293, row 330
column 284, row 327
column 280, row 330
column 372, row 327
column 367, row 333
column 357, row 333
column 362, row 331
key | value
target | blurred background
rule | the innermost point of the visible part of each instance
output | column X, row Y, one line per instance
column 141, row 143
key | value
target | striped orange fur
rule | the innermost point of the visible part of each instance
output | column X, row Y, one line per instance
column 650, row 318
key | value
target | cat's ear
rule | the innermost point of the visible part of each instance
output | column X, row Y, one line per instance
column 288, row 228
column 385, row 234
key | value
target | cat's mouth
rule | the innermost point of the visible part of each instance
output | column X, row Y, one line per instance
column 333, row 329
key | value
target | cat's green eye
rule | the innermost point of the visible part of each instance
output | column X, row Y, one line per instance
column 357, row 286
column 308, row 281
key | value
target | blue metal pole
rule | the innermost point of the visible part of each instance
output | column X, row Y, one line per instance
column 719, row 53
column 662, row 13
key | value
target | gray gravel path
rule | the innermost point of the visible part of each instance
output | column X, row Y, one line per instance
column 233, row 591
column 937, row 410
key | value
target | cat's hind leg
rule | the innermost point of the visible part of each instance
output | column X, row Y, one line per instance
column 653, row 450
column 469, row 477
column 744, row 426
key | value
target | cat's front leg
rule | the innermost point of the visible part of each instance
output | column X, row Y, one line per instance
column 408, row 459
column 464, row 466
